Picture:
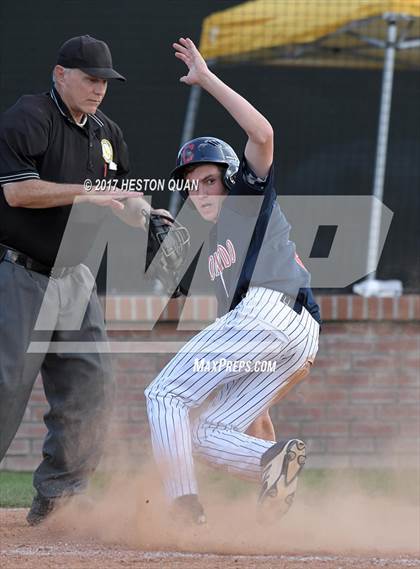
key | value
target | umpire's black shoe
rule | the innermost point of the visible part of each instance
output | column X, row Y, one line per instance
column 187, row 509
column 41, row 508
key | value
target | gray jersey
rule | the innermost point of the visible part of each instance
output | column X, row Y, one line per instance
column 250, row 246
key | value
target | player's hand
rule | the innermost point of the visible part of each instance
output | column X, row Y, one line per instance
column 189, row 54
column 165, row 213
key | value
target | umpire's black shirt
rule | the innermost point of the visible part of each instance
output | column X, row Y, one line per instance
column 40, row 140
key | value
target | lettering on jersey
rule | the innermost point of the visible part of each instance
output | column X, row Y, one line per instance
column 223, row 258
column 231, row 250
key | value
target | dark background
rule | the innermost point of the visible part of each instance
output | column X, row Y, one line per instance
column 325, row 119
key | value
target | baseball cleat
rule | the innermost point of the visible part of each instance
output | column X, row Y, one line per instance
column 187, row 509
column 281, row 466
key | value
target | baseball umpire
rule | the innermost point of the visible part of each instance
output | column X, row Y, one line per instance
column 266, row 313
column 49, row 144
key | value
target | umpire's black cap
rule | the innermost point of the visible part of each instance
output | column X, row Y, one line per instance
column 90, row 55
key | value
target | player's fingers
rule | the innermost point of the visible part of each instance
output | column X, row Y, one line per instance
column 161, row 211
column 191, row 45
column 180, row 47
column 165, row 213
column 181, row 56
column 184, row 56
column 179, row 52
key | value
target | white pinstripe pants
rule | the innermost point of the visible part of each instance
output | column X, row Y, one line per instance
column 260, row 328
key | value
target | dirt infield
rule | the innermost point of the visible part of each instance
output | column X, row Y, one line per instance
column 54, row 546
column 51, row 547
column 129, row 527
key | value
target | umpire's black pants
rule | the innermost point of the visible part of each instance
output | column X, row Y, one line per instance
column 78, row 386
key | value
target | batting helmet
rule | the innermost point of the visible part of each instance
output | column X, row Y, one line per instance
column 207, row 149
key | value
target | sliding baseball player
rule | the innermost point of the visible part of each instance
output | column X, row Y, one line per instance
column 266, row 336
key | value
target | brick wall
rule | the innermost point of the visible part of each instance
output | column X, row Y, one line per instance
column 359, row 407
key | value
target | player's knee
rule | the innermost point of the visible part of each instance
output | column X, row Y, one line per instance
column 154, row 387
column 150, row 393
column 159, row 393
column 152, row 401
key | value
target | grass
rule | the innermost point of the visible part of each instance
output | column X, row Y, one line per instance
column 16, row 489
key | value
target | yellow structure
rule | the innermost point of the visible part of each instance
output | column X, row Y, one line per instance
column 315, row 32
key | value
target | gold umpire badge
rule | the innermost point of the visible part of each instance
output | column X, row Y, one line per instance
column 107, row 151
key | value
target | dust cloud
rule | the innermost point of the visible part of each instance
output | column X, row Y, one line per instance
column 340, row 516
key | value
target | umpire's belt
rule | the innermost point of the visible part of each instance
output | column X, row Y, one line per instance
column 13, row 256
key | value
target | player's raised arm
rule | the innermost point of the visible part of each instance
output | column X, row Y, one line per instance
column 259, row 148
